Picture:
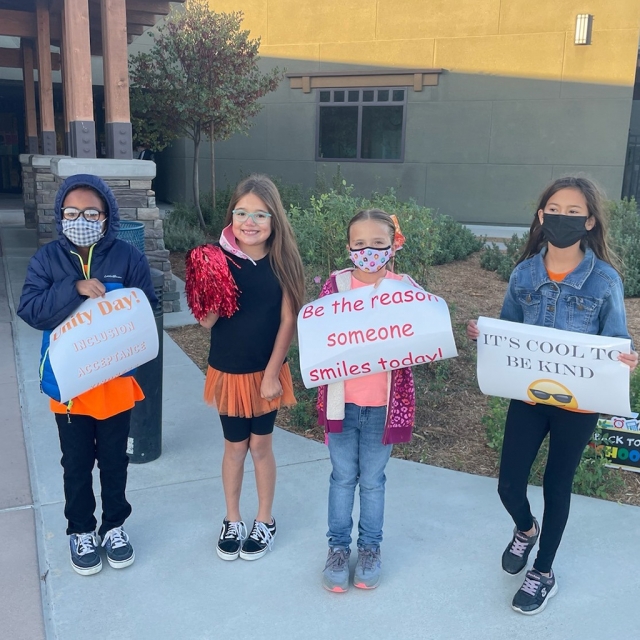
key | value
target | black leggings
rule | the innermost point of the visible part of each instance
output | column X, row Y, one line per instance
column 525, row 429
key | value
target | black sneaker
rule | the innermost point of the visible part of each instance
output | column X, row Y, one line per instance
column 85, row 558
column 534, row 593
column 514, row 558
column 231, row 537
column 119, row 550
column 260, row 540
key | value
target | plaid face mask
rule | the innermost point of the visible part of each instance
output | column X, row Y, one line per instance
column 83, row 233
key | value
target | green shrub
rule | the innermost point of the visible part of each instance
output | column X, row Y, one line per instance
column 455, row 241
column 625, row 241
column 593, row 477
column 502, row 261
column 320, row 227
column 634, row 390
column 180, row 234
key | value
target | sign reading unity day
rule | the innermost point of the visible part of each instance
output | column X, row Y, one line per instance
column 549, row 366
column 104, row 338
column 372, row 330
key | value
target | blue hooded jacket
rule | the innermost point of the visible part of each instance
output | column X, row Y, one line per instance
column 49, row 294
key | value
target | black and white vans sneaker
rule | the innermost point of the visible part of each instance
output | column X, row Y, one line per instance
column 534, row 593
column 260, row 540
column 514, row 558
column 230, row 540
column 120, row 552
column 85, row 558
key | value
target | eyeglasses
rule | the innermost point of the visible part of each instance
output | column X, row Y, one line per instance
column 558, row 397
column 91, row 214
column 259, row 217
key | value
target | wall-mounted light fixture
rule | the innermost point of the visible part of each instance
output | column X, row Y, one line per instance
column 584, row 24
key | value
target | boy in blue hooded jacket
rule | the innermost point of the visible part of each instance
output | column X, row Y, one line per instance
column 84, row 262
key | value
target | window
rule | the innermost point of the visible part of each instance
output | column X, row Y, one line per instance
column 361, row 124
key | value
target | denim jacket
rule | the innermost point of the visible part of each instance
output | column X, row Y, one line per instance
column 589, row 300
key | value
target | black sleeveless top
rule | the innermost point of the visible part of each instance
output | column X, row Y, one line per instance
column 244, row 342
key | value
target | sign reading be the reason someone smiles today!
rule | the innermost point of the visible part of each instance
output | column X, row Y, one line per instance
column 562, row 368
column 104, row 338
column 372, row 330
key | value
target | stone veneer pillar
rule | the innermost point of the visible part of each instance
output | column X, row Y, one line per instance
column 28, row 191
column 130, row 181
column 44, row 195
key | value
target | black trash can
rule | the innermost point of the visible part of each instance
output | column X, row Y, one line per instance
column 145, row 436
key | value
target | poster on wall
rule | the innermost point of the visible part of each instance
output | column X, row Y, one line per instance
column 561, row 368
column 372, row 330
column 104, row 338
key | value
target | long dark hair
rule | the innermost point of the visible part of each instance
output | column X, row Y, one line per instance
column 596, row 238
column 283, row 251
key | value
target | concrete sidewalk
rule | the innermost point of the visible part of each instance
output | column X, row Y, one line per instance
column 445, row 532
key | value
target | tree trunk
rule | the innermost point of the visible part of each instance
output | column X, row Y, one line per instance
column 196, row 178
column 213, row 168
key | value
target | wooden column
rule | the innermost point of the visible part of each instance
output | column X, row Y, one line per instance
column 66, row 85
column 29, row 95
column 116, row 79
column 45, row 85
column 77, row 65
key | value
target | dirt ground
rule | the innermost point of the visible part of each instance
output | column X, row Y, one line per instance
column 448, row 431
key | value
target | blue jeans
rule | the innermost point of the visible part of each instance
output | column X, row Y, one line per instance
column 358, row 456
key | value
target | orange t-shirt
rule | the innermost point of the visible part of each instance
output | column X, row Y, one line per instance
column 372, row 390
column 106, row 400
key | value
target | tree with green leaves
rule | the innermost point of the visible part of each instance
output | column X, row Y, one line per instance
column 199, row 80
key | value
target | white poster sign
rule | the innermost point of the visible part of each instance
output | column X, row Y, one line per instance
column 562, row 368
column 104, row 338
column 372, row 330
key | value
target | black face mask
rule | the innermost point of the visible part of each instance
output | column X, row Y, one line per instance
column 563, row 231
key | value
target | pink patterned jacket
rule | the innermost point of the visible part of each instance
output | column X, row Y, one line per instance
column 402, row 398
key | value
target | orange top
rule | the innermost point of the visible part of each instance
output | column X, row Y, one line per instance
column 372, row 390
column 558, row 277
column 106, row 400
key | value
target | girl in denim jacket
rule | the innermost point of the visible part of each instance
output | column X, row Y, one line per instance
column 363, row 418
column 565, row 280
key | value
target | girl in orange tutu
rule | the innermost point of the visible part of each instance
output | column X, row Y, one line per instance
column 248, row 379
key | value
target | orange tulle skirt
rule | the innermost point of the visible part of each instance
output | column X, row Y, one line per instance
column 238, row 395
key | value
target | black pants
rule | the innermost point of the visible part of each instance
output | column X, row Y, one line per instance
column 525, row 429
column 83, row 441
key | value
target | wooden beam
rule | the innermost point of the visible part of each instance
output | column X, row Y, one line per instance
column 31, row 120
column 156, row 7
column 45, row 84
column 82, row 128
column 22, row 24
column 12, row 59
column 116, row 79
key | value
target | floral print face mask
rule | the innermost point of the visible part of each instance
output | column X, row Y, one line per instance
column 370, row 259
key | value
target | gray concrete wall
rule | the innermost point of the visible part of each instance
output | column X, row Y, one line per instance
column 634, row 128
column 479, row 148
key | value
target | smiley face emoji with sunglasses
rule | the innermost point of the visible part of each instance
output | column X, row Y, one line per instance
column 553, row 393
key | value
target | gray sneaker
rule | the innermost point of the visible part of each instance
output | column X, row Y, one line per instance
column 368, row 567
column 335, row 576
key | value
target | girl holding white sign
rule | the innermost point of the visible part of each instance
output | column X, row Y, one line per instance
column 363, row 418
column 248, row 379
column 564, row 280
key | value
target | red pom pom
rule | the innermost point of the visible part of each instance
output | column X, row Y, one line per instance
column 209, row 285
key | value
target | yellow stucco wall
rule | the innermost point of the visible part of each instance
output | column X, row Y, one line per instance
column 520, row 38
